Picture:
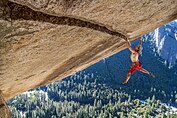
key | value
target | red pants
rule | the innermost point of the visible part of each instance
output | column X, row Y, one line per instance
column 135, row 66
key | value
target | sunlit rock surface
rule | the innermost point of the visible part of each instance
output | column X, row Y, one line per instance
column 43, row 41
column 4, row 110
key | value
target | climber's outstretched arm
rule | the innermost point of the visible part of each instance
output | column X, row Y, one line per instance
column 140, row 43
column 129, row 46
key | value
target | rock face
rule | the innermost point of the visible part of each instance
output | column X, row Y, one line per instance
column 42, row 41
column 4, row 110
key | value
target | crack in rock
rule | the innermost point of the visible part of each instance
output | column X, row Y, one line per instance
column 21, row 12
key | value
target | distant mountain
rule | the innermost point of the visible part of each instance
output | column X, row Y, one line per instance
column 164, row 42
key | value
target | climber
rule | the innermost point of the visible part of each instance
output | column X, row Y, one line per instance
column 136, row 64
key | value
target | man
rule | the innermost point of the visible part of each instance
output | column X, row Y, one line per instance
column 136, row 64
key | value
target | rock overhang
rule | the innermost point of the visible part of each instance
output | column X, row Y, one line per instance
column 46, row 40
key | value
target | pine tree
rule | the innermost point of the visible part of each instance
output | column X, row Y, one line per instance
column 129, row 99
column 153, row 99
column 145, row 115
column 99, row 104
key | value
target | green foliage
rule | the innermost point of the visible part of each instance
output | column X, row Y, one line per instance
column 83, row 97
